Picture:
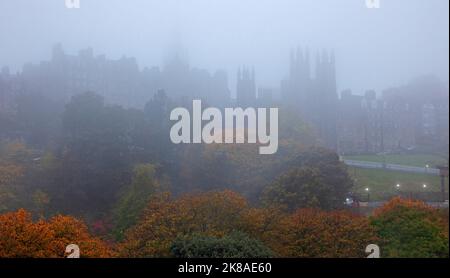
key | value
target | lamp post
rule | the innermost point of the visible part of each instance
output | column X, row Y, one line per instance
column 368, row 194
column 443, row 173
column 397, row 187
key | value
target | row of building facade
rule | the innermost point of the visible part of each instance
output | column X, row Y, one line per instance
column 396, row 119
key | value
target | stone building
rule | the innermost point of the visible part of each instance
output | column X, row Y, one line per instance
column 314, row 96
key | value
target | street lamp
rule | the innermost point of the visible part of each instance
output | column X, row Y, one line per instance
column 368, row 194
column 397, row 186
column 424, row 186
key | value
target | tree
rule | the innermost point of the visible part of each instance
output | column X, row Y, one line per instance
column 20, row 237
column 411, row 229
column 268, row 225
column 96, row 158
column 316, row 179
column 235, row 245
column 136, row 197
column 13, row 161
column 157, row 115
column 38, row 119
column 320, row 234
column 9, row 173
column 41, row 201
column 212, row 214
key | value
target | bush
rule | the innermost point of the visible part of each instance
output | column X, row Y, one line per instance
column 235, row 245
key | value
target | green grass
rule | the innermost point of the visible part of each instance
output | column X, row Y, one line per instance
column 419, row 160
column 381, row 182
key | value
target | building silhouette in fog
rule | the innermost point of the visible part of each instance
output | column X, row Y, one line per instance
column 414, row 116
column 9, row 90
column 246, row 87
column 120, row 81
column 314, row 95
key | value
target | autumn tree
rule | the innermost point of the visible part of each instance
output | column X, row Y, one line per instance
column 240, row 167
column 202, row 220
column 211, row 214
column 315, row 233
column 20, row 237
column 411, row 229
column 205, row 168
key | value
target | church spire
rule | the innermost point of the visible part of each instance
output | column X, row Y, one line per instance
column 307, row 64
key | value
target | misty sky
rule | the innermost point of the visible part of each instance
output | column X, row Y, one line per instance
column 375, row 48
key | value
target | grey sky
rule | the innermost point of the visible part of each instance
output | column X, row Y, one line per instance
column 375, row 48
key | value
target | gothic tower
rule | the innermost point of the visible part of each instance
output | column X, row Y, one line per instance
column 314, row 97
column 246, row 87
column 325, row 99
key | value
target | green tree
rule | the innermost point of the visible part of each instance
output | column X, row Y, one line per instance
column 316, row 179
column 96, row 158
column 136, row 197
column 14, row 160
column 235, row 245
column 411, row 229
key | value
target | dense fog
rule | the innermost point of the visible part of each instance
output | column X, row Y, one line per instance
column 375, row 48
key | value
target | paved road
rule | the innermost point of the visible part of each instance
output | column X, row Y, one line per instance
column 379, row 204
column 392, row 167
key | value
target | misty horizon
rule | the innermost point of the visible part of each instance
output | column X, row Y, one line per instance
column 392, row 45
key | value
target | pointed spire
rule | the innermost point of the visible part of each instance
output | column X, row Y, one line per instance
column 307, row 54
column 307, row 63
column 245, row 74
column 318, row 61
column 318, row 65
column 325, row 57
column 292, row 56
column 292, row 62
column 299, row 55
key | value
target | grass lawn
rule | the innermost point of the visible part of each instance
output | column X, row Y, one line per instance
column 419, row 160
column 381, row 182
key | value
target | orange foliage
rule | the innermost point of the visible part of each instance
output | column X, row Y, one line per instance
column 400, row 202
column 316, row 233
column 20, row 237
column 268, row 225
column 213, row 214
column 306, row 233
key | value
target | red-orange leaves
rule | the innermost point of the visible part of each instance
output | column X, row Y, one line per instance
column 20, row 237
column 316, row 233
